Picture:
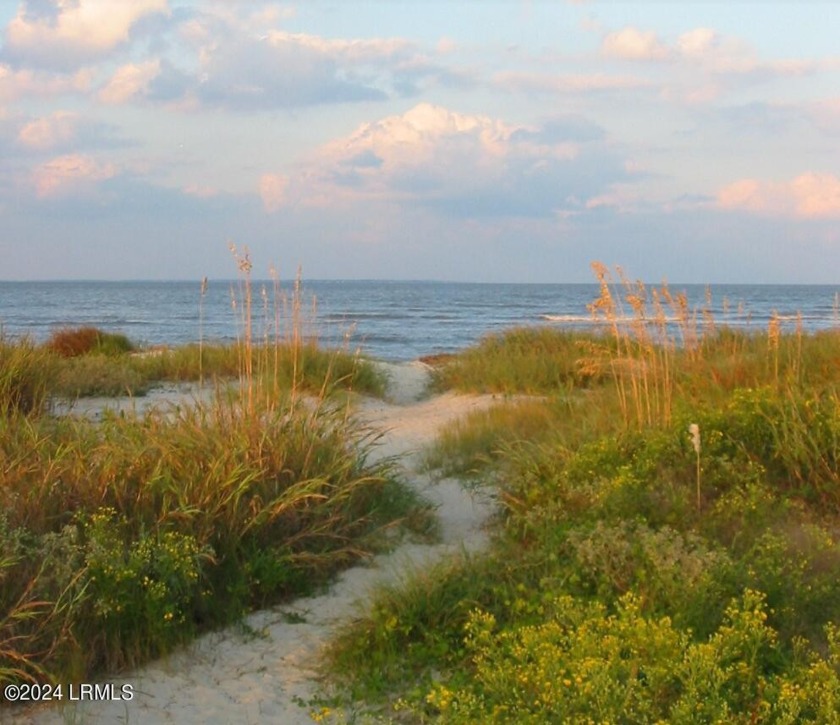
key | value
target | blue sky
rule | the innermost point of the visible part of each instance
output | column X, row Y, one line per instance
column 477, row 141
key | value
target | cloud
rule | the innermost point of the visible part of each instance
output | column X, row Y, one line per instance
column 50, row 131
column 634, row 44
column 71, row 32
column 278, row 69
column 71, row 174
column 457, row 165
column 129, row 81
column 695, row 43
column 239, row 60
column 17, row 84
column 706, row 63
column 825, row 115
column 285, row 71
column 810, row 196
column 63, row 131
column 273, row 191
column 567, row 83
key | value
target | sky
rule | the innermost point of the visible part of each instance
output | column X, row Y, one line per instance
column 463, row 140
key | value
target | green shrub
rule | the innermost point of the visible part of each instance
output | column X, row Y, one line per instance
column 583, row 664
column 140, row 590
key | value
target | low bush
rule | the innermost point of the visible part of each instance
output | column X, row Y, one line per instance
column 75, row 341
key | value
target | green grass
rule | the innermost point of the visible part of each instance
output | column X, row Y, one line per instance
column 526, row 360
column 123, row 538
column 305, row 366
column 25, row 375
column 624, row 582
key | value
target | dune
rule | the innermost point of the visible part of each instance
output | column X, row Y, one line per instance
column 265, row 669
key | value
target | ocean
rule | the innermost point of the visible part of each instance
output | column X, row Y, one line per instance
column 389, row 320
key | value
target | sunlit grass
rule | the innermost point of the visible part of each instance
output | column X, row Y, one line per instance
column 667, row 544
column 123, row 537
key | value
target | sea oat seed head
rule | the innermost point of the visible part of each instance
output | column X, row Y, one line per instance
column 694, row 429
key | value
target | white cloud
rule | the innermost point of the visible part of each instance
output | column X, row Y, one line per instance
column 462, row 165
column 77, row 30
column 634, row 44
column 810, row 196
column 128, row 81
column 278, row 69
column 70, row 174
column 353, row 50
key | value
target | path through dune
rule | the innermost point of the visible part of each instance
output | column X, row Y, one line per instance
column 261, row 672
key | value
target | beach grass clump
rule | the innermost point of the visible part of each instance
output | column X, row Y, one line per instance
column 535, row 360
column 667, row 545
column 284, row 366
column 86, row 340
column 26, row 375
column 98, row 375
column 161, row 526
column 124, row 537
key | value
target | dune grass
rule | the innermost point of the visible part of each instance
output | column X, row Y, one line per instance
column 667, row 547
column 122, row 538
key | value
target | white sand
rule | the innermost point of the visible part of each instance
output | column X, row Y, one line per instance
column 262, row 672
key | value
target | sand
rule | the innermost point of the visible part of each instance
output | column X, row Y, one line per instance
column 265, row 670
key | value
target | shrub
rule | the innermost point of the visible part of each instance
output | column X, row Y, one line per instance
column 584, row 664
column 75, row 341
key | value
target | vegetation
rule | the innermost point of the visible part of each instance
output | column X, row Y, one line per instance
column 122, row 538
column 667, row 548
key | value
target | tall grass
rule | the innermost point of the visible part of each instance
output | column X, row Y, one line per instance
column 635, row 574
column 120, row 539
column 26, row 374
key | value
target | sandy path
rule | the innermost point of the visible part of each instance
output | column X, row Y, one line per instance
column 260, row 673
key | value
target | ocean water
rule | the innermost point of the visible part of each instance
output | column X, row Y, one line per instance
column 389, row 320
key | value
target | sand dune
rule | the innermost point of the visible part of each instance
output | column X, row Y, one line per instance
column 264, row 671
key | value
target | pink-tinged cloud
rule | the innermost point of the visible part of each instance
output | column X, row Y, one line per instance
column 809, row 196
column 16, row 84
column 54, row 130
column 695, row 43
column 712, row 63
column 79, row 30
column 273, row 188
column 634, row 44
column 567, row 83
column 70, row 174
column 129, row 81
